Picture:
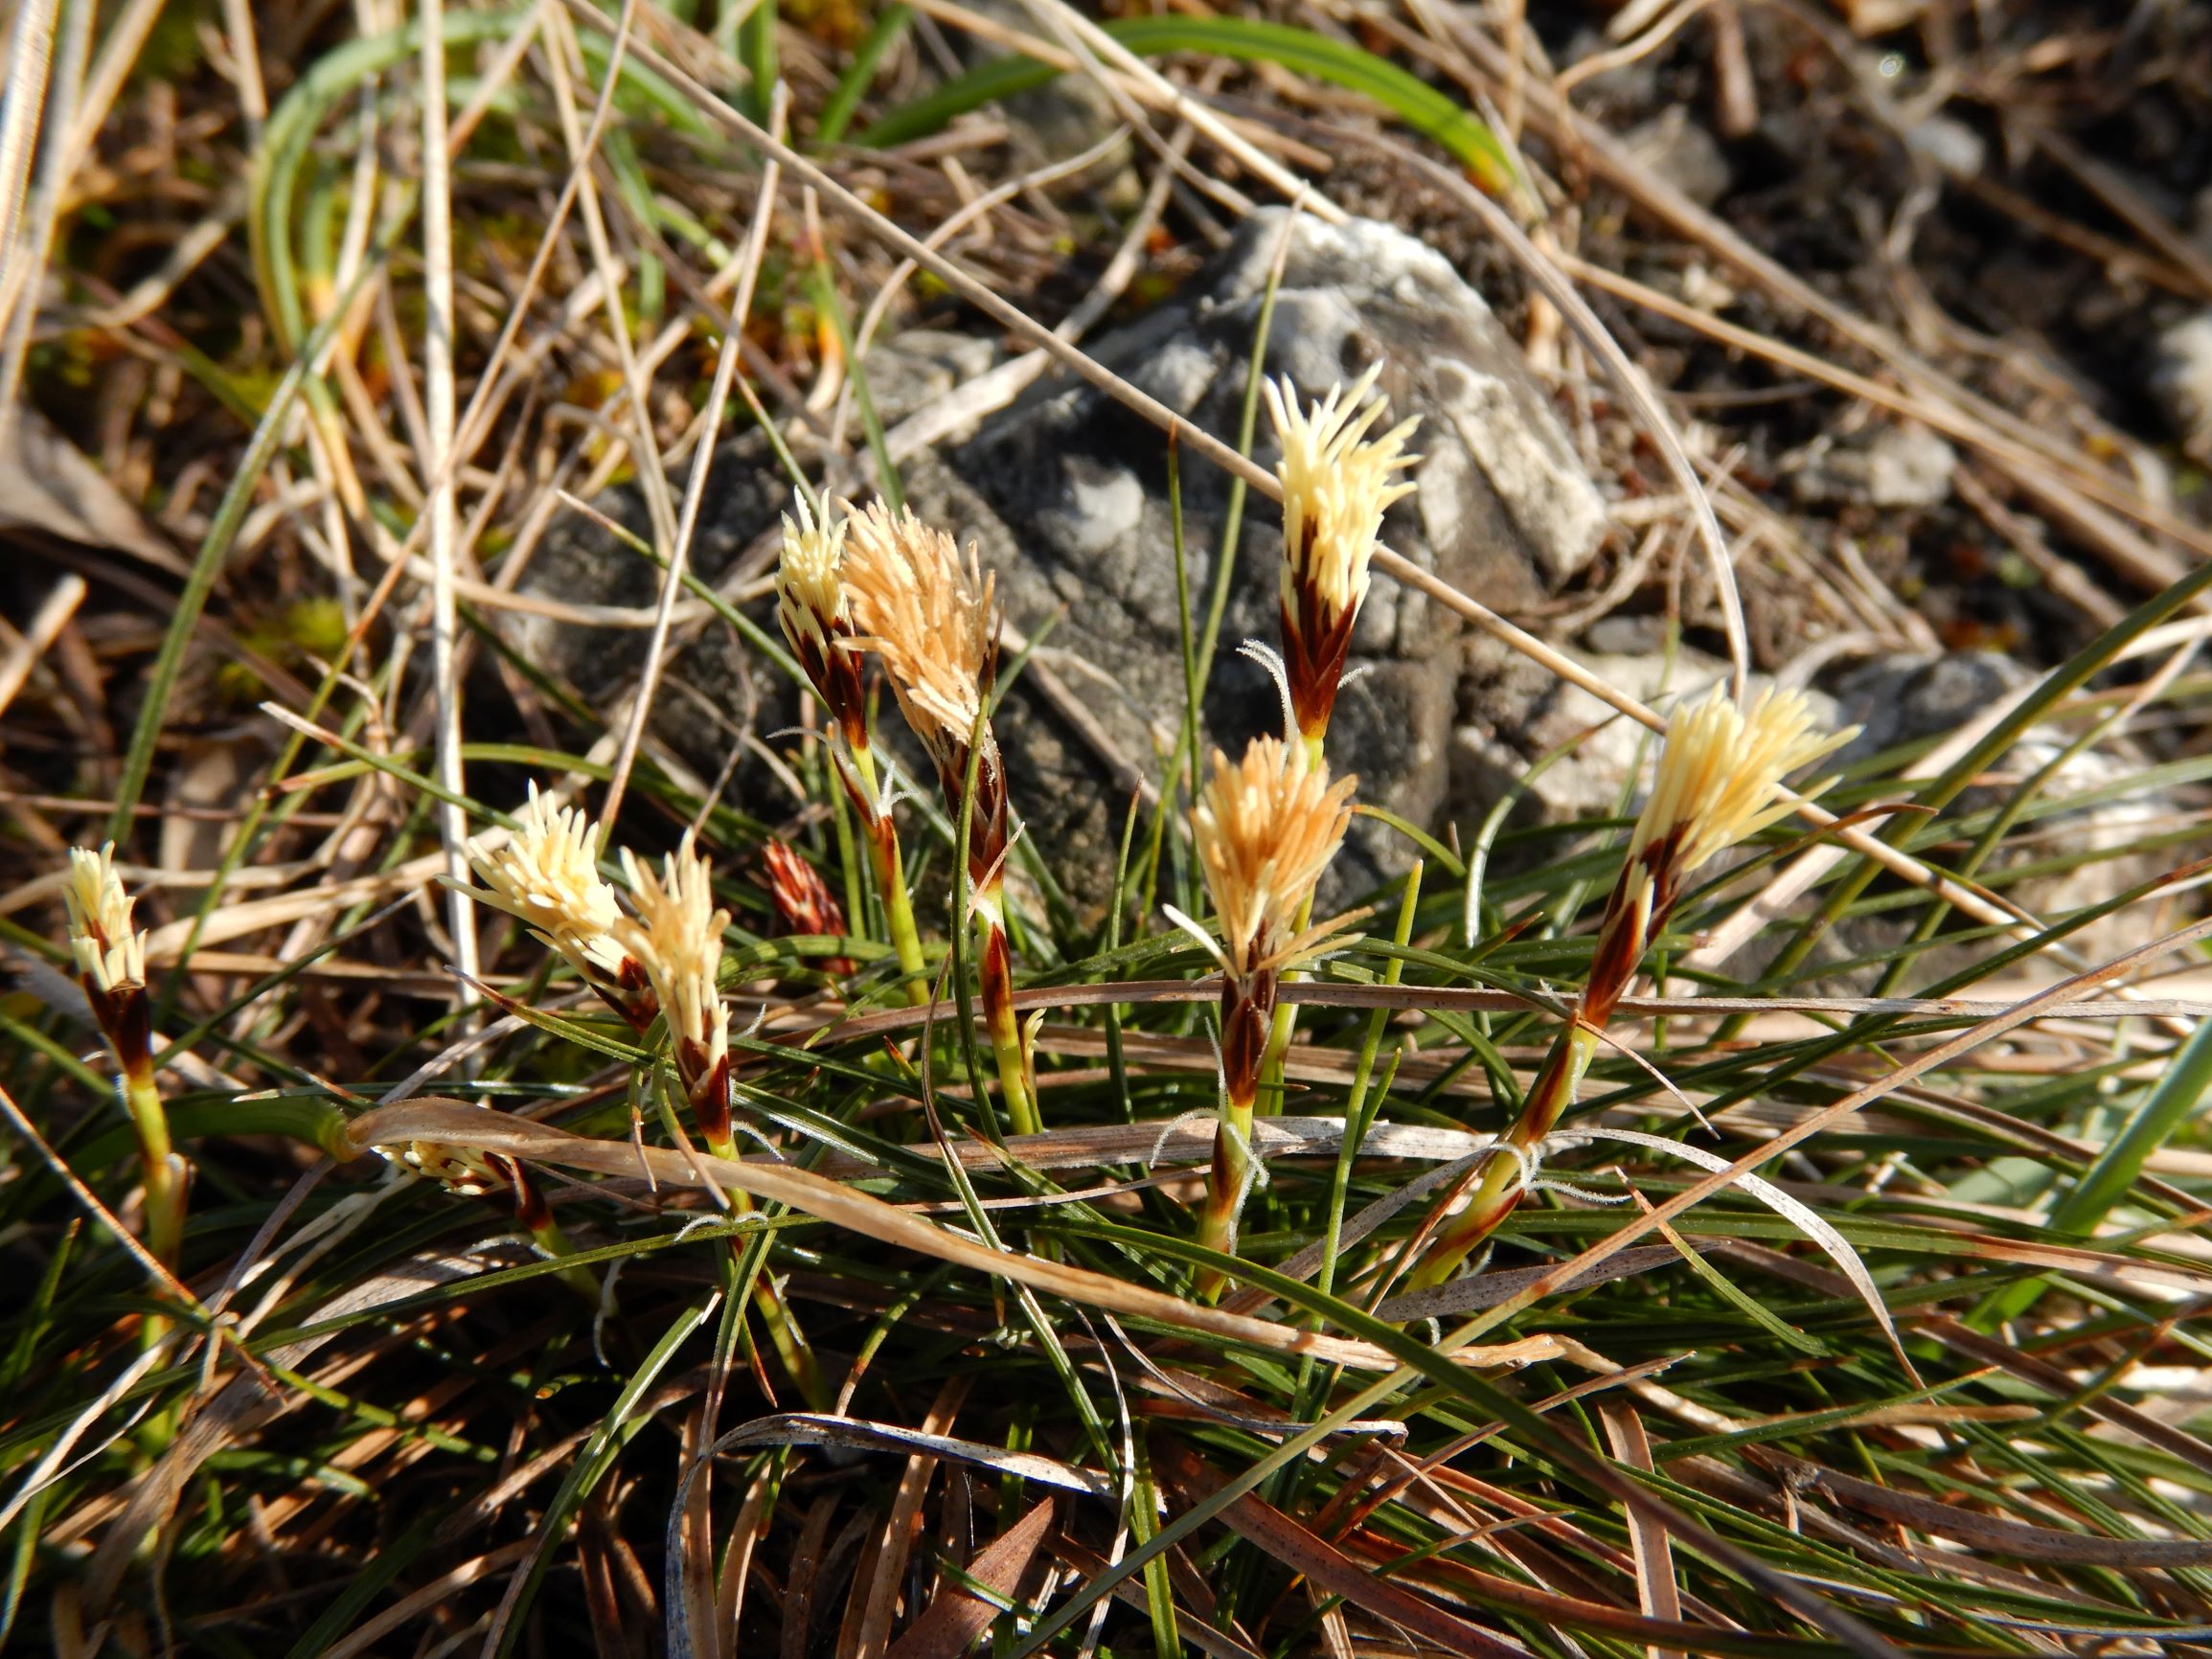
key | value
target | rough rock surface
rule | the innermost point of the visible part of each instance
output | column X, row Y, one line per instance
column 2181, row 376
column 1885, row 465
column 1907, row 698
column 1066, row 494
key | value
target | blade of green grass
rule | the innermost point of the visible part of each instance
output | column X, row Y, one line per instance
column 1242, row 40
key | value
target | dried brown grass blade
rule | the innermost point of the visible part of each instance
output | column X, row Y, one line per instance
column 1315, row 1558
column 903, row 1523
column 1656, row 1592
column 1991, row 1533
column 957, row 1617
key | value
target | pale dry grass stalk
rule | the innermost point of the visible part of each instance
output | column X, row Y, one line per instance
column 1266, row 828
column 30, row 64
column 440, row 508
column 1719, row 782
column 930, row 614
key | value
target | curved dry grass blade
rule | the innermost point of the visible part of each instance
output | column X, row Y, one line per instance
column 1994, row 1533
column 819, row 1428
column 1632, row 384
column 1314, row 1557
column 1798, row 1213
column 457, row 1123
column 958, row 1616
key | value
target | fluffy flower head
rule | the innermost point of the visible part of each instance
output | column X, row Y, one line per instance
column 810, row 594
column 1267, row 827
column 677, row 938
column 1721, row 771
column 928, row 614
column 1336, row 483
column 110, row 955
column 547, row 876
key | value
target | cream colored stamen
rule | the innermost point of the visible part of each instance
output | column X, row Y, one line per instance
column 1336, row 485
column 110, row 954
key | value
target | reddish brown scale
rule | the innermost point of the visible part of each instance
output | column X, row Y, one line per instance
column 804, row 903
column 1313, row 655
column 988, row 822
column 839, row 682
column 1248, row 1016
column 127, row 1016
column 530, row 1210
column 707, row 1087
column 1622, row 939
column 630, row 996
column 997, row 972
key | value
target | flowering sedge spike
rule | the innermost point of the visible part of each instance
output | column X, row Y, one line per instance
column 804, row 903
column 1336, row 484
column 1265, row 829
column 929, row 614
column 1719, row 782
column 110, row 957
column 816, row 616
column 817, row 621
column 678, row 939
column 507, row 1185
column 546, row 876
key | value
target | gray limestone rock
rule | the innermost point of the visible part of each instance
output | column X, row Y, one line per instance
column 2181, row 376
column 2094, row 806
column 1902, row 466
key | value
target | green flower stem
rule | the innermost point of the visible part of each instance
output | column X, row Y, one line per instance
column 890, row 879
column 1499, row 1186
column 1225, row 1183
column 1247, row 1007
column 549, row 1239
column 997, row 987
column 784, row 1333
column 1286, row 1014
column 163, row 1172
